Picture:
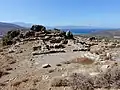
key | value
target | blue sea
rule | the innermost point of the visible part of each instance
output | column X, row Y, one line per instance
column 84, row 31
column 81, row 31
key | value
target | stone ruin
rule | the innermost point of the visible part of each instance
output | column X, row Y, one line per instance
column 49, row 41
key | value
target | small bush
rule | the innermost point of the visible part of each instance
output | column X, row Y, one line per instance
column 8, row 38
column 38, row 28
column 13, row 33
column 81, row 82
column 59, row 82
column 6, row 41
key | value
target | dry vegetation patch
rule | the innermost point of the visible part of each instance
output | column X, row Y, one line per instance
column 82, row 60
column 59, row 81
column 81, row 81
column 108, row 79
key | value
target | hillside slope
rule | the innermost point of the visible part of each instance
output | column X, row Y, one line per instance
column 107, row 33
column 4, row 27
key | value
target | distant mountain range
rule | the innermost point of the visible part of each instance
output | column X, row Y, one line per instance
column 107, row 33
column 27, row 25
column 59, row 27
column 4, row 27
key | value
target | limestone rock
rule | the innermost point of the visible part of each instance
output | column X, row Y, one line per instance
column 11, row 51
column 104, row 67
column 94, row 73
column 46, row 65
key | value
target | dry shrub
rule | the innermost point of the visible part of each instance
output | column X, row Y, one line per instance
column 79, row 81
column 82, row 60
column 108, row 79
column 59, row 82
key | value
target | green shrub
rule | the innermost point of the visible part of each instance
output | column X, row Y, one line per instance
column 13, row 33
column 7, row 39
column 38, row 28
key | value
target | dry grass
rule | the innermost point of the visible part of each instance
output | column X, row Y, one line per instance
column 108, row 79
column 59, row 82
column 81, row 82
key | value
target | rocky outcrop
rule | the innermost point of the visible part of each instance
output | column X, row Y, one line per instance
column 38, row 28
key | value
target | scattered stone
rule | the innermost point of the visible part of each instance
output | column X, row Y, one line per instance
column 11, row 51
column 9, row 68
column 104, row 68
column 118, row 46
column 2, row 84
column 46, row 65
column 20, row 51
column 50, row 71
column 58, row 65
column 94, row 73
column 66, row 62
column 12, row 61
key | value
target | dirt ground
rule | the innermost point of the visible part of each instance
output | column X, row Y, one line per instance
column 20, row 70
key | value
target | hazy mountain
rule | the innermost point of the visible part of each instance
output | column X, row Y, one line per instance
column 78, row 27
column 75, row 29
column 107, row 33
column 27, row 25
column 4, row 27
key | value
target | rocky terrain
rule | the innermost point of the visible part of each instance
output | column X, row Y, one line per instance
column 40, row 59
